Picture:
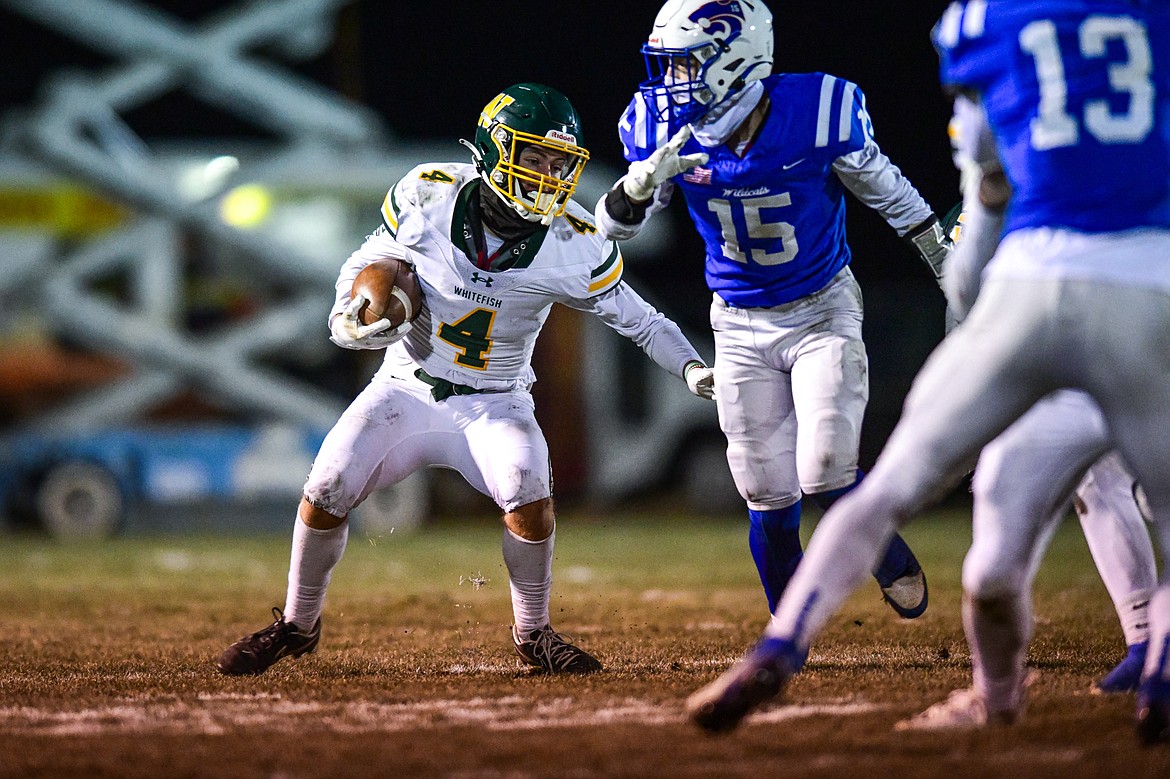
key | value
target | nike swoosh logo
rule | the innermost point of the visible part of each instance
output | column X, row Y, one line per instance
column 791, row 165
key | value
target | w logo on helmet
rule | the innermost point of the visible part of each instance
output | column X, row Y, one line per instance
column 501, row 101
column 725, row 14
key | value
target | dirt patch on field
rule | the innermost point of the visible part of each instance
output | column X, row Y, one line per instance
column 107, row 668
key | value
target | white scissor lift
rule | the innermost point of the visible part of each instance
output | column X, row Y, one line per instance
column 328, row 160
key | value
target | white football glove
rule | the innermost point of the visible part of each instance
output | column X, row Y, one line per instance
column 700, row 380
column 349, row 332
column 663, row 165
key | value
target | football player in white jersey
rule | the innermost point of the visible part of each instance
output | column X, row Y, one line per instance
column 1069, row 104
column 764, row 161
column 494, row 245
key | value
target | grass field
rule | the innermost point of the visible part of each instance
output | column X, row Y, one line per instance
column 107, row 663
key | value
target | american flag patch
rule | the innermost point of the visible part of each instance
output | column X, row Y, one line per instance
column 698, row 176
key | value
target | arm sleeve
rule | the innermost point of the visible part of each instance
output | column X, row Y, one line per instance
column 876, row 181
column 981, row 228
column 971, row 137
column 619, row 220
column 640, row 134
column 625, row 311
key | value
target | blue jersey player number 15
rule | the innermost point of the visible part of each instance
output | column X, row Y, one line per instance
column 756, row 231
column 755, row 228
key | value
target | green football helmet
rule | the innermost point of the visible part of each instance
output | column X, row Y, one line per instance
column 524, row 116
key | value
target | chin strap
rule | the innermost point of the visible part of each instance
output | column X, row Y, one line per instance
column 476, row 155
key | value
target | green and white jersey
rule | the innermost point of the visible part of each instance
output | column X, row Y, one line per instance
column 478, row 327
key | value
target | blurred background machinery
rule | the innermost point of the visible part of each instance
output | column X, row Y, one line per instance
column 162, row 334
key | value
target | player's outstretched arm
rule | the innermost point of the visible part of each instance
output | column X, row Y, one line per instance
column 645, row 189
column 986, row 192
column 644, row 176
column 660, row 337
column 700, row 380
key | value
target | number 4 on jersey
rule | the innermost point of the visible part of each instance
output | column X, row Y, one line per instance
column 470, row 335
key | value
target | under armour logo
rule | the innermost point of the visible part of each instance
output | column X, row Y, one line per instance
column 476, row 278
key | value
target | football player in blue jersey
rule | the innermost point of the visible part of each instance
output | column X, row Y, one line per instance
column 1021, row 493
column 764, row 162
column 1065, row 118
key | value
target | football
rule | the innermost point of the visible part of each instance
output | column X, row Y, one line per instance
column 392, row 289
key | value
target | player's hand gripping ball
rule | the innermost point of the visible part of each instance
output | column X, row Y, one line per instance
column 385, row 297
column 391, row 290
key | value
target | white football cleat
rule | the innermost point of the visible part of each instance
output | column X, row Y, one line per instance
column 962, row 710
column 907, row 595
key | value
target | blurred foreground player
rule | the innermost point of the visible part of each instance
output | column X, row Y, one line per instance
column 1021, row 494
column 494, row 244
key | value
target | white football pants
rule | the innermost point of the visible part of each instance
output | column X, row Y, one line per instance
column 394, row 427
column 1025, row 338
column 1022, row 486
column 791, row 386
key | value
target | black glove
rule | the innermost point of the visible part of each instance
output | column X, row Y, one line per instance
column 929, row 241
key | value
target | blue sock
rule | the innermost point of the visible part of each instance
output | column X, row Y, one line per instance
column 774, row 539
column 898, row 559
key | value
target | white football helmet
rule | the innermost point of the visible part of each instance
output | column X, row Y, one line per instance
column 701, row 52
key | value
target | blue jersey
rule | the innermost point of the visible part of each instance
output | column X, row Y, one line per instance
column 773, row 221
column 1077, row 94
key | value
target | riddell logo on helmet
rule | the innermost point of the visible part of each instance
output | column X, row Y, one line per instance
column 557, row 135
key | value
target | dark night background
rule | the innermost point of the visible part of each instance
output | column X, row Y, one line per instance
column 428, row 67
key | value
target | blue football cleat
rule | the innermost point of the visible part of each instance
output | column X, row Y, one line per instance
column 759, row 677
column 1127, row 674
column 1153, row 712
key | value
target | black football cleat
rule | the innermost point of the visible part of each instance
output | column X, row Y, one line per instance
column 902, row 581
column 548, row 650
column 254, row 654
column 1153, row 712
column 907, row 595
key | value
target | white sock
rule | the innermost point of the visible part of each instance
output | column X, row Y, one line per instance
column 529, row 566
column 1119, row 541
column 314, row 555
column 1134, row 613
